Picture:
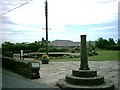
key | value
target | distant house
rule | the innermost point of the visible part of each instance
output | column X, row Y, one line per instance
column 64, row 43
column 68, row 43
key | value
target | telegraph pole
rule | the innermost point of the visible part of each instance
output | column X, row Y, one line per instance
column 46, row 17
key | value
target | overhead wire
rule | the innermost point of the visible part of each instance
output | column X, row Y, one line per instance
column 15, row 8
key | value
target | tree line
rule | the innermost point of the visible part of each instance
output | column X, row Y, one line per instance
column 109, row 44
column 27, row 47
column 39, row 46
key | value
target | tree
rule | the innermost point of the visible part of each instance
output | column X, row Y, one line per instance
column 118, row 42
column 101, row 43
column 20, row 46
column 90, row 45
column 7, row 47
column 34, row 47
column 111, row 41
column 107, row 44
column 43, row 43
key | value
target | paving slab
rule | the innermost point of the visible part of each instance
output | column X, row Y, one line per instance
column 52, row 72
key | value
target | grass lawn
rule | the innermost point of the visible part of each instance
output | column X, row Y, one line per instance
column 103, row 55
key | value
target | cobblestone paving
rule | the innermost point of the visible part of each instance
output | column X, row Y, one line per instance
column 52, row 72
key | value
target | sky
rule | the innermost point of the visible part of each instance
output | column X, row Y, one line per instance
column 67, row 20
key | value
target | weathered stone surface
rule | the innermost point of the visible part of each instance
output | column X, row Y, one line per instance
column 108, row 85
column 84, row 73
column 83, row 55
column 84, row 80
column 51, row 73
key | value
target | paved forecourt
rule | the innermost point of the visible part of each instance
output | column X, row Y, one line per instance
column 52, row 72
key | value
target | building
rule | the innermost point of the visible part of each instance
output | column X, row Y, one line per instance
column 64, row 43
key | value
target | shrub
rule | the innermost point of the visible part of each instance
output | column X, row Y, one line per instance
column 45, row 56
column 90, row 54
column 41, row 50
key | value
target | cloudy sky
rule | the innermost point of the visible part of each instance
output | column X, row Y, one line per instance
column 67, row 19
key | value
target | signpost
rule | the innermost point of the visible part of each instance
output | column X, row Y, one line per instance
column 21, row 55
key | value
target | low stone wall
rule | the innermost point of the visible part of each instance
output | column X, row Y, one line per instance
column 54, row 54
column 21, row 67
column 7, row 54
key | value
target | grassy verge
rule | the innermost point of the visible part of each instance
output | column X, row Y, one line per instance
column 103, row 55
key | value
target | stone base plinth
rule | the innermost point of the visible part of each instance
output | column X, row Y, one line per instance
column 84, row 73
column 85, row 80
column 107, row 85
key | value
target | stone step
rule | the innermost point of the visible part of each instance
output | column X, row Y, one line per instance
column 108, row 85
column 84, row 73
column 84, row 80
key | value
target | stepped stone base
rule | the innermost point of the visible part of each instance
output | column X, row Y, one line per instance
column 107, row 85
column 85, row 80
column 84, row 73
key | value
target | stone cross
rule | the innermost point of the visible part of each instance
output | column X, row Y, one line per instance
column 83, row 55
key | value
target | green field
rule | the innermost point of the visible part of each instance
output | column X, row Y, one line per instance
column 103, row 55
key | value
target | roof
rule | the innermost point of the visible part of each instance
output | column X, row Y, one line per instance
column 64, row 43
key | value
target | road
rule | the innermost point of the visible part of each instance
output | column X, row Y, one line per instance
column 12, row 80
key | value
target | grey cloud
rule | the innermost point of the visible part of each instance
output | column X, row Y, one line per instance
column 6, row 20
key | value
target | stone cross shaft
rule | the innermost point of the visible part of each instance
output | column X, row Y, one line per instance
column 83, row 55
